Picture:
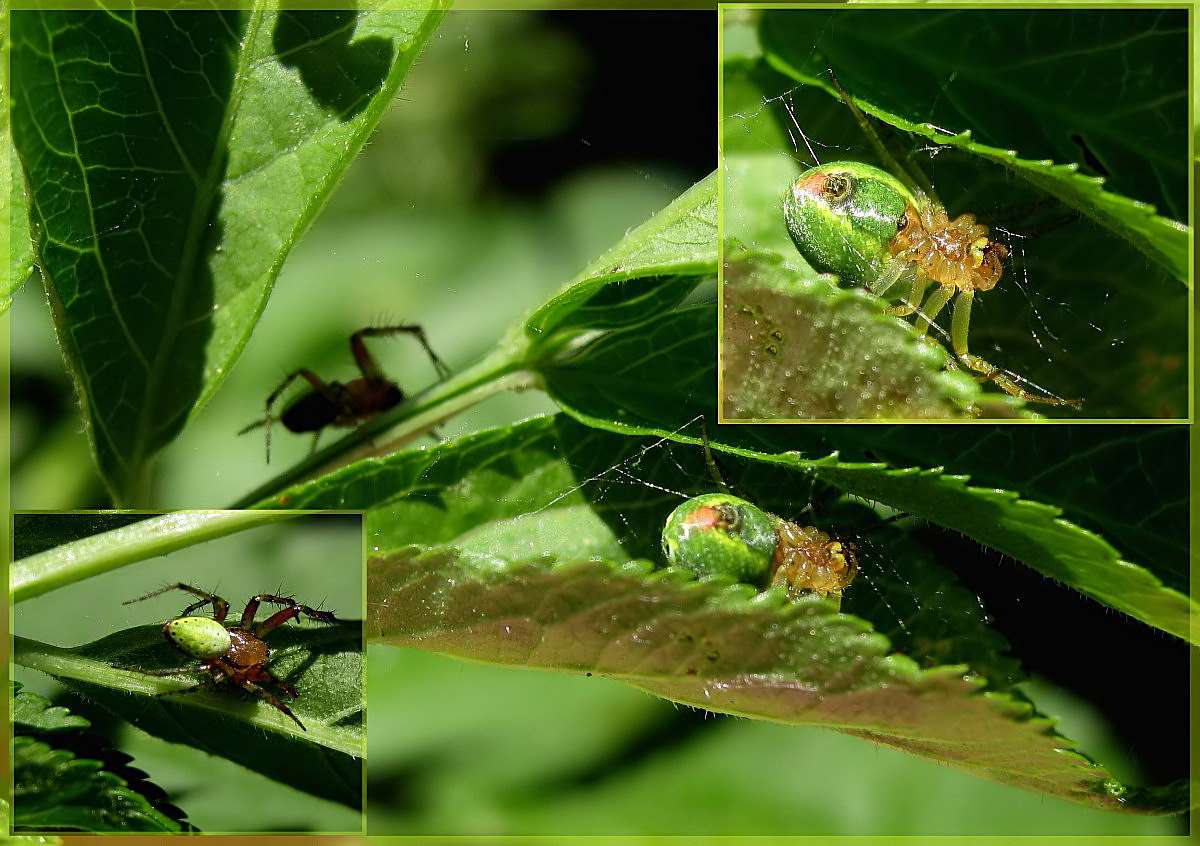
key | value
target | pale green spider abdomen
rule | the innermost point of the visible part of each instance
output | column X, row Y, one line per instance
column 718, row 534
column 843, row 216
column 200, row 637
column 721, row 535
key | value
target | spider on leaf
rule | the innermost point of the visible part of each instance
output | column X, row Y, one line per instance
column 882, row 230
column 719, row 534
column 236, row 654
column 343, row 404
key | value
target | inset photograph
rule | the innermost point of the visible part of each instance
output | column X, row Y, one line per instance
column 955, row 214
column 191, row 671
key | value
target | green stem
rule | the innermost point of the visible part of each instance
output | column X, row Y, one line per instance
column 64, row 664
column 71, row 562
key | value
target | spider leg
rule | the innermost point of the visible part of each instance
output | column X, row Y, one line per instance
column 933, row 306
column 244, row 683
column 261, row 692
column 366, row 362
column 710, row 461
column 220, row 606
column 715, row 470
column 261, row 675
column 892, row 271
column 268, row 419
column 1006, row 380
column 292, row 610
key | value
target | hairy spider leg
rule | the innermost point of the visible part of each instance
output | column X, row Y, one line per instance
column 268, row 420
column 293, row 610
column 367, row 365
column 960, row 324
column 219, row 673
column 220, row 606
column 262, row 693
column 710, row 460
column 717, row 472
column 928, row 308
column 1009, row 382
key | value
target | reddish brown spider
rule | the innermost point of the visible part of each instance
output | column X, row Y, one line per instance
column 349, row 404
column 236, row 654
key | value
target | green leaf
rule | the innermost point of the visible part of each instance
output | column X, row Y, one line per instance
column 1048, row 83
column 67, row 780
column 657, row 376
column 69, row 549
column 60, row 791
column 798, row 347
column 172, row 162
column 1081, row 310
column 1032, row 533
column 14, row 237
column 5, row 821
column 31, row 711
column 324, row 665
column 537, row 545
column 666, row 252
column 1125, row 484
column 1105, row 515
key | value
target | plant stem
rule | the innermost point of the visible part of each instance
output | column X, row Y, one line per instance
column 71, row 562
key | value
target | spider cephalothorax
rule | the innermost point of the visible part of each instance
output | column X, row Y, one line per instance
column 237, row 654
column 956, row 254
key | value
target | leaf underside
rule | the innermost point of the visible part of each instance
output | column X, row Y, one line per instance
column 535, row 544
column 712, row 646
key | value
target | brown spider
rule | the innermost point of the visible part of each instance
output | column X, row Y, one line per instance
column 348, row 404
column 237, row 654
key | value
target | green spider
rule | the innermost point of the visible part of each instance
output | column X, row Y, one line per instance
column 237, row 654
column 882, row 231
column 722, row 534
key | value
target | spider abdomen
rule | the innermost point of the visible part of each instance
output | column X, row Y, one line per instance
column 199, row 637
column 723, row 535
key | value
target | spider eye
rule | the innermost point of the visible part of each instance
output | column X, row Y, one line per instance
column 836, row 189
column 718, row 534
